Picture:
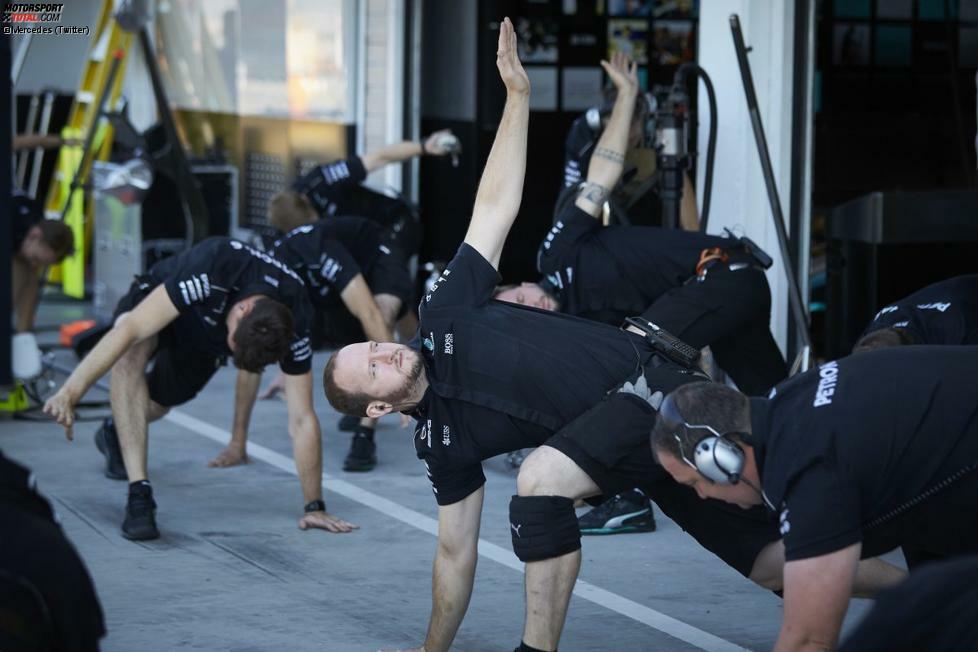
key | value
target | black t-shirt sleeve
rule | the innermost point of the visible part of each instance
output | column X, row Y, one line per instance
column 820, row 513
column 339, row 266
column 189, row 283
column 469, row 280
column 299, row 358
column 451, row 485
column 571, row 229
column 329, row 182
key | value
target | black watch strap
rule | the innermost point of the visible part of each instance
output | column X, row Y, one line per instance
column 315, row 506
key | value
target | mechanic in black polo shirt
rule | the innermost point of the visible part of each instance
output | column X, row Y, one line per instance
column 488, row 377
column 636, row 195
column 36, row 244
column 328, row 189
column 857, row 457
column 359, row 287
column 706, row 290
column 219, row 298
column 943, row 313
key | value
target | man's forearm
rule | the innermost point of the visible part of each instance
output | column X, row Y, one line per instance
column 689, row 217
column 391, row 154
column 99, row 360
column 608, row 160
column 374, row 326
column 245, row 392
column 307, row 448
column 451, row 588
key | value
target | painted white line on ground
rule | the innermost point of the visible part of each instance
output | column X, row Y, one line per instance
column 612, row 601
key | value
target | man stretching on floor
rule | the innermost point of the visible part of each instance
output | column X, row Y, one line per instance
column 220, row 298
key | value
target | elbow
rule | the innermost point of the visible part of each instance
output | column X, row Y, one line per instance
column 304, row 425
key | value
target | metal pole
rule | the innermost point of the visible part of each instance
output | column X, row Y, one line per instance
column 39, row 152
column 93, row 128
column 798, row 310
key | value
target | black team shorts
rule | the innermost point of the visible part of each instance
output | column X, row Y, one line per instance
column 610, row 443
column 177, row 370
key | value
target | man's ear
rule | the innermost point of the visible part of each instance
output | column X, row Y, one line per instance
column 377, row 409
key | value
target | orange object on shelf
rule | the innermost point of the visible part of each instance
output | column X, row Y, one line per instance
column 69, row 330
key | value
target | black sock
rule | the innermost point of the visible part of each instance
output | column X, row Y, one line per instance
column 526, row 648
column 140, row 487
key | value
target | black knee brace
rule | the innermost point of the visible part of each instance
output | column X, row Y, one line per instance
column 543, row 527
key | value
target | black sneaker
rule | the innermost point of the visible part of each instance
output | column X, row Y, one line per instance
column 627, row 512
column 363, row 453
column 348, row 423
column 107, row 442
column 140, row 523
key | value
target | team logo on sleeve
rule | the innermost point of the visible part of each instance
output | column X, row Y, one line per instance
column 195, row 289
column 434, row 286
column 828, row 375
column 884, row 311
column 939, row 306
column 785, row 524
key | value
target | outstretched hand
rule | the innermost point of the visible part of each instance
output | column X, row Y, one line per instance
column 441, row 142
column 61, row 407
column 623, row 73
column 510, row 69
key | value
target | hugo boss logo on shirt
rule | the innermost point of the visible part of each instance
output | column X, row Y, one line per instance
column 828, row 377
column 446, row 436
column 449, row 343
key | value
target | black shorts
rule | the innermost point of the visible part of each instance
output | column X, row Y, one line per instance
column 610, row 443
column 728, row 311
column 177, row 370
column 389, row 275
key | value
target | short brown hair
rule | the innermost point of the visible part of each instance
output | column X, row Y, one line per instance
column 263, row 335
column 882, row 339
column 343, row 401
column 289, row 209
column 58, row 236
column 703, row 403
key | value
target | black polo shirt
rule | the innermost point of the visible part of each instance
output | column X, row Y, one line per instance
column 328, row 255
column 327, row 185
column 846, row 444
column 609, row 273
column 942, row 313
column 205, row 281
column 502, row 376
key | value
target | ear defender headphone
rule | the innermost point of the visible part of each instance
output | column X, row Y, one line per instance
column 716, row 457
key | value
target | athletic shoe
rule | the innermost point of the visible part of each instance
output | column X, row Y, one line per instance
column 363, row 452
column 348, row 423
column 107, row 442
column 140, row 523
column 630, row 511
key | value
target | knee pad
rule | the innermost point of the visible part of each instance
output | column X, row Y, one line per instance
column 543, row 527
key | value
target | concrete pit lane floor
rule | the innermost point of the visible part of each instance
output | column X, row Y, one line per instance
column 232, row 571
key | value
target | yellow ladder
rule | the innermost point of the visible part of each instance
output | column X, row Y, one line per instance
column 108, row 42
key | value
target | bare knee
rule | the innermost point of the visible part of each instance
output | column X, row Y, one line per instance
column 155, row 411
column 768, row 569
column 548, row 472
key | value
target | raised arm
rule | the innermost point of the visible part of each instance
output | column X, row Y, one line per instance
column 404, row 150
column 148, row 318
column 608, row 159
column 501, row 188
column 454, row 569
column 360, row 302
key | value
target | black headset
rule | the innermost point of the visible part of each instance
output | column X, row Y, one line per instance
column 716, row 457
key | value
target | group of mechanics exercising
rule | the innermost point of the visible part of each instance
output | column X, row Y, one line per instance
column 799, row 484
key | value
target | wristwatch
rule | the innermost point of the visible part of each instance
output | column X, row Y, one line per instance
column 315, row 506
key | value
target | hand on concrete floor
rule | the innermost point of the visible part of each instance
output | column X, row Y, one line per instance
column 326, row 521
column 230, row 456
